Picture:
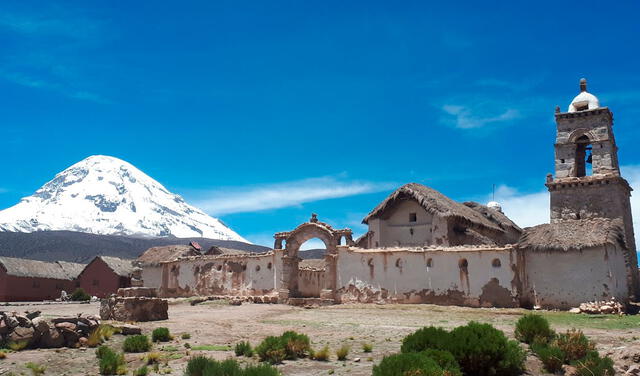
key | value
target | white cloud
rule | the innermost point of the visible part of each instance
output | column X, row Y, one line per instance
column 465, row 117
column 281, row 195
column 530, row 209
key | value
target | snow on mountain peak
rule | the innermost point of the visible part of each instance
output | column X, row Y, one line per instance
column 106, row 195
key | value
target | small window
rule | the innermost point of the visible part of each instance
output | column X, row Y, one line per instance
column 463, row 263
column 430, row 263
column 399, row 263
column 413, row 217
column 219, row 267
column 269, row 266
column 561, row 160
column 244, row 267
column 257, row 268
column 496, row 263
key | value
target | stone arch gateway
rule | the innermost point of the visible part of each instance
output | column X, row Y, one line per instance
column 290, row 255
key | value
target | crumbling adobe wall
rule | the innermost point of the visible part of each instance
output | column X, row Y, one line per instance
column 222, row 275
column 436, row 276
column 311, row 282
column 559, row 279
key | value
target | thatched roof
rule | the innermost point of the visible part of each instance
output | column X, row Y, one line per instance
column 216, row 251
column 72, row 269
column 18, row 267
column 494, row 216
column 122, row 267
column 573, row 235
column 156, row 255
column 433, row 202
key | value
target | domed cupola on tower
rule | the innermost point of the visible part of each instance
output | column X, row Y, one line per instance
column 584, row 100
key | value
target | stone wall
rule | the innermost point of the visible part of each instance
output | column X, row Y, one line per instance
column 311, row 282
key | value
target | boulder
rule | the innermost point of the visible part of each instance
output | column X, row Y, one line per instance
column 12, row 322
column 71, row 337
column 131, row 292
column 32, row 315
column 23, row 321
column 66, row 325
column 569, row 370
column 633, row 370
column 574, row 310
column 4, row 328
column 40, row 325
column 128, row 329
column 21, row 334
column 52, row 339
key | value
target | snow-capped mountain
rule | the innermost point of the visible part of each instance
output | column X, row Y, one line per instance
column 108, row 196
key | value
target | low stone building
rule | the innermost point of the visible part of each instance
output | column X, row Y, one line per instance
column 104, row 275
column 32, row 280
column 423, row 247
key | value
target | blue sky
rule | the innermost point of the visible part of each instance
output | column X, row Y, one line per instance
column 263, row 112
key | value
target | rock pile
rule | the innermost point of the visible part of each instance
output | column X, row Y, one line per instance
column 129, row 305
column 237, row 300
column 600, row 307
column 32, row 330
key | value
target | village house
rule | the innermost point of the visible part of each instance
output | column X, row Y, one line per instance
column 31, row 280
column 423, row 247
column 104, row 275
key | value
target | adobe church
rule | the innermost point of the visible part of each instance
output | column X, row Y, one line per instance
column 423, row 247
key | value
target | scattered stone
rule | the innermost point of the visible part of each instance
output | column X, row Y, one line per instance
column 600, row 307
column 21, row 334
column 128, row 329
column 633, row 370
column 51, row 339
column 33, row 315
column 66, row 325
column 132, row 292
column 357, row 360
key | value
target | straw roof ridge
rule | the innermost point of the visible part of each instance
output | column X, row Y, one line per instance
column 434, row 203
column 121, row 267
column 493, row 215
column 39, row 269
column 156, row 255
column 573, row 235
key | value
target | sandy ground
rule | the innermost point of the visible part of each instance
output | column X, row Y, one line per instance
column 216, row 323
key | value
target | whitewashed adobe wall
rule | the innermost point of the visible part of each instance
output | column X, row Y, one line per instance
column 558, row 279
column 397, row 229
column 224, row 275
column 429, row 276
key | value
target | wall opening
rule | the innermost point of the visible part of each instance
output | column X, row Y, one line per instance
column 463, row 263
column 496, row 263
column 413, row 217
column 430, row 263
column 313, row 248
column 584, row 158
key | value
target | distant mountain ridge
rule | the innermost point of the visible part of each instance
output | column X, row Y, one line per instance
column 108, row 196
column 82, row 247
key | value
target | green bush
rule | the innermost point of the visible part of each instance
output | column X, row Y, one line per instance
column 297, row 345
column 196, row 365
column 185, row 336
column 552, row 357
column 479, row 349
column 425, row 338
column 405, row 364
column 100, row 351
column 79, row 295
column 272, row 349
column 574, row 344
column 445, row 360
column 161, row 335
column 367, row 347
column 594, row 365
column 142, row 371
column 110, row 362
column 136, row 344
column 243, row 348
column 260, row 370
column 533, row 326
column 202, row 366
column 290, row 345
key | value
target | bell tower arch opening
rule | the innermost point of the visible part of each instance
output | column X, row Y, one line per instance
column 583, row 157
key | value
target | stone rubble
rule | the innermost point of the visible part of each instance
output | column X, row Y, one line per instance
column 131, row 305
column 38, row 332
column 600, row 307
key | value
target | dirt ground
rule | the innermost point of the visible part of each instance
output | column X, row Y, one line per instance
column 219, row 326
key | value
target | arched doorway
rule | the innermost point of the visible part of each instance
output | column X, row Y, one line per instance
column 293, row 240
